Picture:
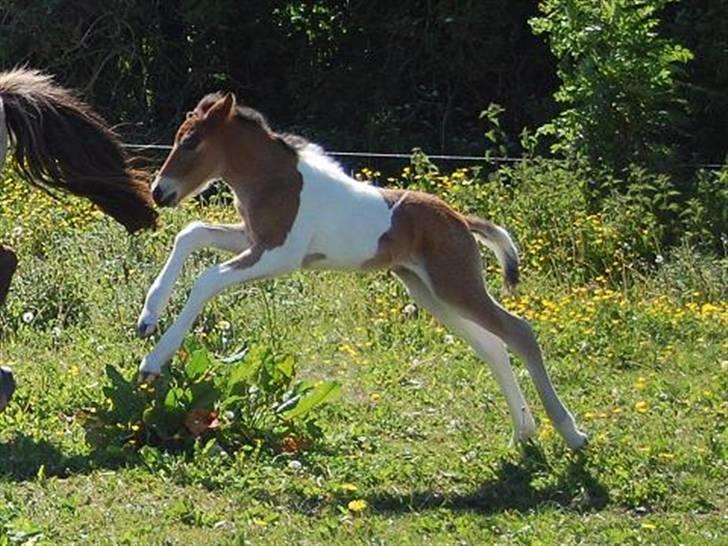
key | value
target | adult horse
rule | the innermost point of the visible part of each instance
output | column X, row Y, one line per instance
column 60, row 144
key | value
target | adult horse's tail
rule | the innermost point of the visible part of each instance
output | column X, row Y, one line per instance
column 60, row 143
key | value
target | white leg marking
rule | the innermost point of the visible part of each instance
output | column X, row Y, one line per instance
column 486, row 345
column 214, row 280
column 491, row 349
column 193, row 237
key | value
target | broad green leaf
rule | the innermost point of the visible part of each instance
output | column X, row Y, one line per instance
column 241, row 374
column 321, row 394
column 287, row 366
column 197, row 364
column 175, row 400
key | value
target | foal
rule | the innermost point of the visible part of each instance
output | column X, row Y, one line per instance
column 300, row 210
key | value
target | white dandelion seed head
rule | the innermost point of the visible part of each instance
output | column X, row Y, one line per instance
column 409, row 309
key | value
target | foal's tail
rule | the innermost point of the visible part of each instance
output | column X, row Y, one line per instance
column 497, row 239
column 61, row 143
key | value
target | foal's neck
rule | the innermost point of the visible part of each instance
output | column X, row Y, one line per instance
column 267, row 187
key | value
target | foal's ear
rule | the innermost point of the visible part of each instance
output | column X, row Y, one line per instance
column 221, row 110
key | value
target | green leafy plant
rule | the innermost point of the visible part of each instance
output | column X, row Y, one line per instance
column 252, row 399
column 617, row 79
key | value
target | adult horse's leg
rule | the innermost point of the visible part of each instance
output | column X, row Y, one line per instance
column 8, row 263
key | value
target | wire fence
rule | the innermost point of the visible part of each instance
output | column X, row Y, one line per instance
column 437, row 157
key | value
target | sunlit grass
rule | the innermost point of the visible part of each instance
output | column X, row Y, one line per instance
column 418, row 445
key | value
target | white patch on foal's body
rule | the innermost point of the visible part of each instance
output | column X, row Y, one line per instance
column 342, row 217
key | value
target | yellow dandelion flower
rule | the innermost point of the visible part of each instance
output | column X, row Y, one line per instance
column 546, row 432
column 641, row 407
column 357, row 505
column 348, row 487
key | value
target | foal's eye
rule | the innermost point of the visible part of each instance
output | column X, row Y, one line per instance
column 189, row 141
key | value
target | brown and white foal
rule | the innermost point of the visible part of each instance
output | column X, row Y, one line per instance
column 300, row 210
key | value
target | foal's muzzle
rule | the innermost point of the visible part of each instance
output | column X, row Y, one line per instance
column 163, row 198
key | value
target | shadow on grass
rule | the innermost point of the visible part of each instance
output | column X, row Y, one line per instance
column 25, row 458
column 512, row 488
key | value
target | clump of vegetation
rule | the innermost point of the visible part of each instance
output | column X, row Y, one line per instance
column 253, row 400
column 618, row 79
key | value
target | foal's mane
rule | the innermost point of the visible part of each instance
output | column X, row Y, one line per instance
column 245, row 114
column 60, row 143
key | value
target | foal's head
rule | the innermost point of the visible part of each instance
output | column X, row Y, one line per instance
column 218, row 139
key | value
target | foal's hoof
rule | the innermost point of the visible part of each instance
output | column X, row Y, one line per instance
column 578, row 441
column 147, row 377
column 7, row 387
column 146, row 329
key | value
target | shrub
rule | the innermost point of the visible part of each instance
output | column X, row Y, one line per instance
column 617, row 80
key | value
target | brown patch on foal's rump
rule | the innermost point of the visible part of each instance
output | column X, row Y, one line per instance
column 429, row 234
column 421, row 224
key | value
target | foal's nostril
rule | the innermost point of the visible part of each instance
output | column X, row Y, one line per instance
column 157, row 195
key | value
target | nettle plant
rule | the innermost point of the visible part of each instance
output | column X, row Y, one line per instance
column 252, row 399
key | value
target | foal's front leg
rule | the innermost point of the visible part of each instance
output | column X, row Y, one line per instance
column 193, row 237
column 252, row 264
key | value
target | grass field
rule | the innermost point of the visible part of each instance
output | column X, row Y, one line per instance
column 416, row 448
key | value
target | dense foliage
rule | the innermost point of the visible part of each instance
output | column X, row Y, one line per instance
column 368, row 74
column 381, row 75
column 617, row 80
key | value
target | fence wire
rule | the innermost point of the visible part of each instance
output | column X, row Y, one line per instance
column 439, row 157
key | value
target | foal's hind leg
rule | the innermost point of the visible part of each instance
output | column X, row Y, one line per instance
column 466, row 293
column 486, row 346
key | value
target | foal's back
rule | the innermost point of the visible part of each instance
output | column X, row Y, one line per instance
column 343, row 219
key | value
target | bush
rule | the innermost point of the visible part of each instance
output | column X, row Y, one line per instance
column 617, row 80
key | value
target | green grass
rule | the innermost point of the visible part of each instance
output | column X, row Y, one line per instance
column 421, row 433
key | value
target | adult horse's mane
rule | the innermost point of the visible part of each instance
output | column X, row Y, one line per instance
column 60, row 143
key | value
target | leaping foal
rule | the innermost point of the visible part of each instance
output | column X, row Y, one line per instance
column 301, row 211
